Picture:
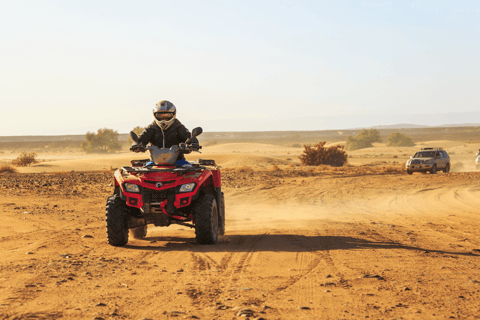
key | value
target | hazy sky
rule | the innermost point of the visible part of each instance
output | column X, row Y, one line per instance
column 68, row 67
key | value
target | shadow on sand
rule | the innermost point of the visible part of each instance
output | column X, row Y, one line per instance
column 278, row 243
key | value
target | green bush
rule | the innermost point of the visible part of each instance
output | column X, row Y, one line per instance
column 398, row 139
column 317, row 155
column 105, row 140
column 364, row 139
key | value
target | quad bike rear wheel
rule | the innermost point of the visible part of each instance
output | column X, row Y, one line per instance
column 139, row 232
column 206, row 220
column 117, row 231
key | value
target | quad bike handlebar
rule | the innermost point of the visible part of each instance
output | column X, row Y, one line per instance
column 185, row 148
column 138, row 148
column 188, row 148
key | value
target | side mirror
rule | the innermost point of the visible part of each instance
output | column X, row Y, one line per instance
column 134, row 136
column 197, row 131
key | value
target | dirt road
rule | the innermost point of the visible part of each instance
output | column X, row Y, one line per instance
column 337, row 244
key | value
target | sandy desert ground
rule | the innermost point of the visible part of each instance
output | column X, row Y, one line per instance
column 362, row 241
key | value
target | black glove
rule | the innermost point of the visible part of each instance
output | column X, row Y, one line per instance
column 195, row 146
column 137, row 148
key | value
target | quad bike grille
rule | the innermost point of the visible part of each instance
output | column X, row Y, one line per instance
column 157, row 195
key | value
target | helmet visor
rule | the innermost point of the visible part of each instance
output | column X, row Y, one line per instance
column 163, row 116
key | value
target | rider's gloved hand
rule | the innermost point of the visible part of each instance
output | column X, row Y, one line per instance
column 136, row 148
column 195, row 146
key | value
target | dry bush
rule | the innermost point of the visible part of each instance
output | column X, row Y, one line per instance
column 6, row 168
column 296, row 145
column 25, row 159
column 244, row 169
column 275, row 168
column 334, row 156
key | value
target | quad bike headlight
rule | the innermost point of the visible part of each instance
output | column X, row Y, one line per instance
column 130, row 187
column 188, row 187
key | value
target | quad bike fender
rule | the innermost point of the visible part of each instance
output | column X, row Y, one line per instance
column 217, row 178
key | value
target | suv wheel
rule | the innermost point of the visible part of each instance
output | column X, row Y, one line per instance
column 434, row 169
column 206, row 220
column 447, row 168
column 409, row 172
column 117, row 231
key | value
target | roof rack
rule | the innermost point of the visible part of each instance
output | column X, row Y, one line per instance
column 432, row 149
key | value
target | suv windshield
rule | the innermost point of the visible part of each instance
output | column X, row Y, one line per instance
column 425, row 154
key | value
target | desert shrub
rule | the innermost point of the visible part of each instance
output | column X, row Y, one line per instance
column 397, row 139
column 296, row 145
column 364, row 139
column 25, row 159
column 105, row 140
column 6, row 168
column 138, row 130
column 244, row 169
column 317, row 155
column 275, row 168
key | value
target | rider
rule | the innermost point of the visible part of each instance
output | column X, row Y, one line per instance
column 165, row 125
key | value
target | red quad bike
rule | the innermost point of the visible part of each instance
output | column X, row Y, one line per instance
column 162, row 192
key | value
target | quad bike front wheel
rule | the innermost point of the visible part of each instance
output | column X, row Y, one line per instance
column 206, row 220
column 117, row 230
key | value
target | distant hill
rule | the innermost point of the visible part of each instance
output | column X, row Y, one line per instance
column 417, row 126
column 463, row 131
